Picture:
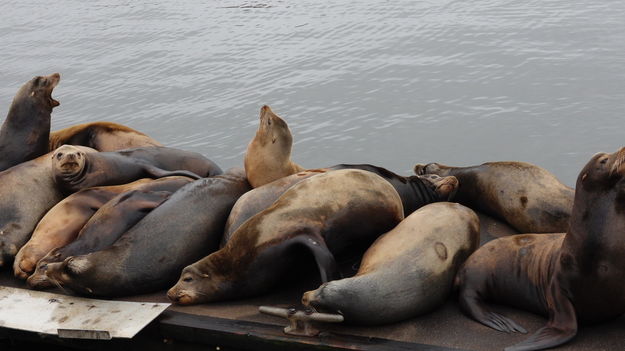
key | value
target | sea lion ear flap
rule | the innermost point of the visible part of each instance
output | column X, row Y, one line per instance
column 324, row 258
column 562, row 325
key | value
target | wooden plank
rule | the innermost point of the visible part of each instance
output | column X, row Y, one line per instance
column 245, row 335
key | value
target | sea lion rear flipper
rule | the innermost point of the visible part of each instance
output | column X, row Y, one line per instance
column 475, row 308
column 324, row 258
column 562, row 325
column 160, row 173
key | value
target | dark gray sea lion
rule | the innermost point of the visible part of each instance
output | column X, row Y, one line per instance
column 24, row 133
column 27, row 192
column 408, row 271
column 414, row 191
column 109, row 222
column 323, row 214
column 74, row 170
column 574, row 277
column 268, row 155
column 526, row 196
column 150, row 256
column 61, row 224
column 102, row 136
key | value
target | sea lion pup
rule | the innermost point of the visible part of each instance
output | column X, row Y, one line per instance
column 61, row 224
column 268, row 155
column 24, row 133
column 150, row 256
column 74, row 170
column 323, row 214
column 577, row 276
column 102, row 136
column 528, row 197
column 406, row 272
column 414, row 191
column 106, row 226
column 27, row 192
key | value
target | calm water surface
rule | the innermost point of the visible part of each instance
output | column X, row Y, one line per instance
column 385, row 82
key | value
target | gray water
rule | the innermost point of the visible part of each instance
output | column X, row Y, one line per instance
column 390, row 83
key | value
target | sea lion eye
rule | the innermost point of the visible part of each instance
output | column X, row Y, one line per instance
column 603, row 161
column 187, row 279
column 59, row 155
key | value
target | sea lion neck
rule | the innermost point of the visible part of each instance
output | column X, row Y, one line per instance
column 422, row 192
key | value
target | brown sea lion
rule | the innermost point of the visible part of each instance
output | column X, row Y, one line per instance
column 323, row 214
column 24, row 133
column 528, row 197
column 61, row 224
column 74, row 170
column 109, row 222
column 577, row 276
column 150, row 256
column 106, row 226
column 414, row 191
column 27, row 192
column 102, row 136
column 268, row 155
column 408, row 271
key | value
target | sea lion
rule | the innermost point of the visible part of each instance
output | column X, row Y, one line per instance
column 323, row 214
column 102, row 136
column 408, row 271
column 74, row 170
column 24, row 133
column 110, row 221
column 27, row 192
column 61, row 224
column 268, row 155
column 528, row 197
column 414, row 191
column 101, row 231
column 150, row 256
column 571, row 277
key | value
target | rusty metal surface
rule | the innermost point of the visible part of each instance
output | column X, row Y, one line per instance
column 75, row 317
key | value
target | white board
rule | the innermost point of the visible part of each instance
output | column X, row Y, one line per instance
column 74, row 317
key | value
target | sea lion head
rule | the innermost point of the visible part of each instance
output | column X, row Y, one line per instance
column 39, row 91
column 273, row 130
column 70, row 271
column 444, row 187
column 603, row 172
column 430, row 168
column 68, row 163
column 326, row 296
column 194, row 286
column 600, row 194
column 39, row 279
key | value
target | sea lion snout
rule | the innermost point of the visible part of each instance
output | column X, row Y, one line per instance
column 45, row 85
column 68, row 159
column 180, row 297
column 308, row 298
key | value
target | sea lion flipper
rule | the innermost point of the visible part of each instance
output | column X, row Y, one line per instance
column 324, row 258
column 475, row 308
column 160, row 173
column 562, row 325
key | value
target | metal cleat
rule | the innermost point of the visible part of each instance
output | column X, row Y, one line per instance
column 301, row 321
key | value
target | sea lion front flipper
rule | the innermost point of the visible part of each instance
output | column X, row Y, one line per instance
column 324, row 258
column 562, row 325
column 475, row 308
column 160, row 173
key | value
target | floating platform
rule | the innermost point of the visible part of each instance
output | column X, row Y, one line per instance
column 238, row 325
